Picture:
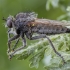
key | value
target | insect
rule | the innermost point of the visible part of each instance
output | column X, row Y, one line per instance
column 26, row 24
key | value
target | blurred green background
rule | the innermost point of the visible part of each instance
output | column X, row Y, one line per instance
column 12, row 7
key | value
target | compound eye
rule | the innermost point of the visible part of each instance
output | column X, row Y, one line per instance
column 9, row 23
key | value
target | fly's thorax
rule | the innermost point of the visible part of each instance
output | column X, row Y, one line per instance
column 22, row 21
column 23, row 29
column 26, row 15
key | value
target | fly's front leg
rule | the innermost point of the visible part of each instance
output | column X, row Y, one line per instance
column 15, row 44
column 18, row 49
column 44, row 36
column 9, row 33
column 8, row 39
column 11, row 39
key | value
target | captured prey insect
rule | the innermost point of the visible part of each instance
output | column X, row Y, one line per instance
column 26, row 24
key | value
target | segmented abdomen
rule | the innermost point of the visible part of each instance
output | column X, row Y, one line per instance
column 49, row 29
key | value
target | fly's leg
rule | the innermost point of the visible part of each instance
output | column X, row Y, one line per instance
column 8, row 39
column 15, row 44
column 18, row 49
column 24, row 44
column 50, row 42
column 9, row 33
column 11, row 39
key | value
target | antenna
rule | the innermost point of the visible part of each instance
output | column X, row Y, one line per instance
column 4, row 19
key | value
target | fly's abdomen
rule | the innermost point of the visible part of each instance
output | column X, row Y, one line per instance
column 51, row 29
column 68, row 30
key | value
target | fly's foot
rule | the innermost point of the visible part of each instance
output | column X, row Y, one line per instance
column 11, row 55
column 8, row 51
column 13, row 49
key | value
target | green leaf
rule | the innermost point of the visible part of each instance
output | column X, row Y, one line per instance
column 25, row 55
column 34, row 61
column 61, row 67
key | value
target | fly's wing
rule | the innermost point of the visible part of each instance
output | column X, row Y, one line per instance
column 46, row 26
column 52, row 22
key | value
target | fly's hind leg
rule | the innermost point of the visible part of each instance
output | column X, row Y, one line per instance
column 50, row 42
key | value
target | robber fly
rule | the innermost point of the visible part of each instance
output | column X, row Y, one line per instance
column 26, row 24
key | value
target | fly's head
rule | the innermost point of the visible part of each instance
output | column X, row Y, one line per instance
column 10, row 22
